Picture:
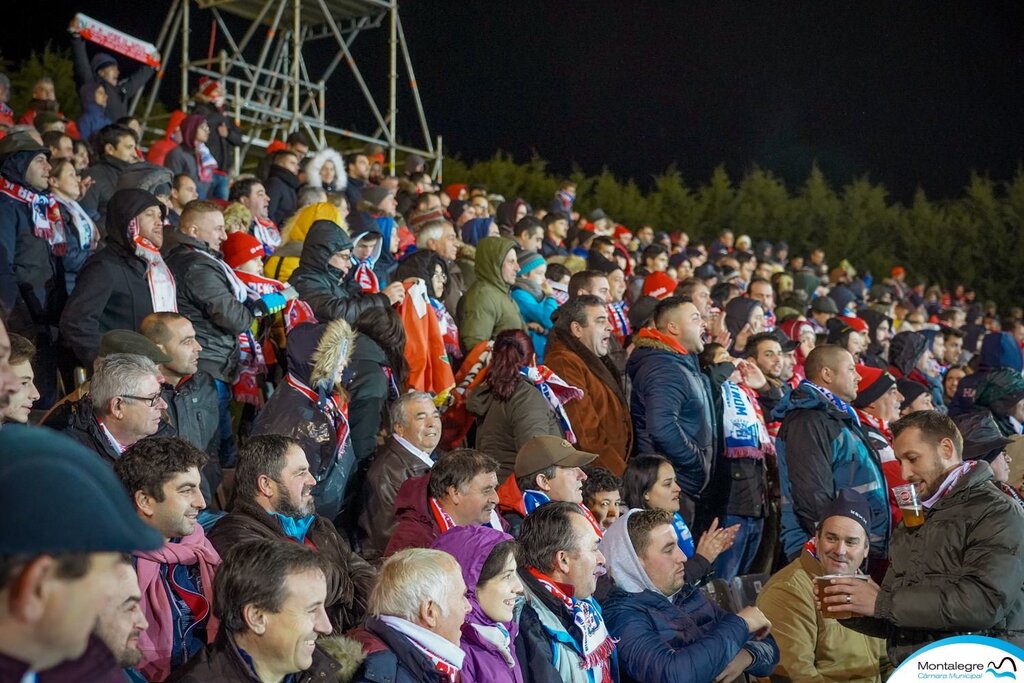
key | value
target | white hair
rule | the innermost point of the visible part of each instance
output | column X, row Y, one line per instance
column 119, row 374
column 398, row 407
column 431, row 230
column 410, row 578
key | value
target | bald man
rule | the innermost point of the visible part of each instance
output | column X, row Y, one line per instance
column 822, row 449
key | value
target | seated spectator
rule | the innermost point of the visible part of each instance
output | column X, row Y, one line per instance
column 666, row 630
column 162, row 478
column 439, row 237
column 486, row 309
column 602, row 494
column 324, row 170
column 251, row 193
column 183, row 191
column 579, row 352
column 535, row 299
column 562, row 634
column 123, row 407
column 812, row 646
column 321, row 277
column 528, row 232
column 123, row 282
column 417, row 610
column 488, row 562
column 19, row 404
column 408, row 453
column 308, row 408
column 58, row 574
column 517, row 401
column 376, row 213
column 271, row 605
column 274, row 500
column 282, row 185
column 460, row 490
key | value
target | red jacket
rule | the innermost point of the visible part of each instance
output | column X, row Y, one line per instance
column 416, row 526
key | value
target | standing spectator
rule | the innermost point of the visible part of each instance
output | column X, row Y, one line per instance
column 417, row 610
column 82, row 234
column 59, row 572
column 676, row 418
column 460, row 490
column 812, row 646
column 998, row 350
column 878, row 406
column 274, row 501
column 822, row 449
column 19, row 404
column 518, row 401
column 439, row 237
column 326, row 169
column 433, row 270
column 183, row 190
column 252, row 194
column 579, row 353
column 562, row 634
column 214, row 299
column 162, row 478
column 556, row 227
column 123, row 282
column 357, row 170
column 308, row 408
column 115, row 147
column 103, row 68
column 377, row 211
column 408, row 453
column 192, row 157
column 94, row 109
column 282, row 186
column 488, row 563
column 1001, row 393
column 971, row 529
column 666, row 630
column 549, row 469
column 487, row 307
column 535, row 299
column 224, row 134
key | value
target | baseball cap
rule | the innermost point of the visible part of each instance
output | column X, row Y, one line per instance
column 824, row 304
column 785, row 342
column 127, row 341
column 544, row 451
column 56, row 496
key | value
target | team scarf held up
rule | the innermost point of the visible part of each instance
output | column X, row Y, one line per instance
column 205, row 162
column 556, row 392
column 47, row 223
column 745, row 433
column 162, row 290
column 267, row 233
column 597, row 644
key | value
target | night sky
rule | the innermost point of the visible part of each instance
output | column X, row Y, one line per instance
column 910, row 93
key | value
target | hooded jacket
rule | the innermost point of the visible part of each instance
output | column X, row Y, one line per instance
column 822, row 450
column 111, row 292
column 33, row 279
column 737, row 314
column 487, row 308
column 350, row 578
column 675, row 418
column 998, row 350
column 471, row 546
column 285, row 259
column 505, row 426
column 675, row 639
column 93, row 117
column 314, row 353
column 320, row 284
column 206, row 298
column 999, row 392
column 368, row 386
column 874, row 355
column 182, row 159
column 104, row 174
column 391, row 656
column 314, row 165
column 959, row 572
column 117, row 95
column 282, row 186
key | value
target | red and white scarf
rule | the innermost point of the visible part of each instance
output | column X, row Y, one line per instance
column 46, row 221
column 597, row 644
column 366, row 278
column 162, row 290
column 556, row 392
column 329, row 406
column 446, row 658
column 267, row 233
column 251, row 357
column 947, row 486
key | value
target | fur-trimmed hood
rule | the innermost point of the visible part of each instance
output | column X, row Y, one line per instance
column 314, row 165
column 346, row 652
column 316, row 350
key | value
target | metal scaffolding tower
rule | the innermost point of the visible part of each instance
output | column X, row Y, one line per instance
column 269, row 85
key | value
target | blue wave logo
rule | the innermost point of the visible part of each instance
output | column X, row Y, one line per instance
column 994, row 669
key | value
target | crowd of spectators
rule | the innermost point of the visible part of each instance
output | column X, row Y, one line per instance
column 325, row 423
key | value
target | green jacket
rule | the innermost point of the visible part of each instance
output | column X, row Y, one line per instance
column 815, row 649
column 960, row 572
column 487, row 308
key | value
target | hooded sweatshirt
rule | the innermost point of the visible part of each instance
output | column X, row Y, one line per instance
column 94, row 117
column 998, row 350
column 487, row 308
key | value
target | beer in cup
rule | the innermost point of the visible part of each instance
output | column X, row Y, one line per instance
column 821, row 582
column 910, row 505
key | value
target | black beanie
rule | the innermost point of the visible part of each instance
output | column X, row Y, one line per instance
column 852, row 504
column 910, row 390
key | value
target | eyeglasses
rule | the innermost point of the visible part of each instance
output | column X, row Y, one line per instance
column 347, row 258
column 149, row 400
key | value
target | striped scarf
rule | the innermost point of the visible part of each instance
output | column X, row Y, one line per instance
column 267, row 233
column 162, row 290
column 556, row 392
column 618, row 316
column 46, row 221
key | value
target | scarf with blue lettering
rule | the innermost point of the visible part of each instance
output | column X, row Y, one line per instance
column 833, row 399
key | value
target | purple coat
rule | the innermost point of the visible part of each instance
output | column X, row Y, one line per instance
column 471, row 546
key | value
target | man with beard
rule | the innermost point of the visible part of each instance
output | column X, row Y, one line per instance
column 121, row 622
column 957, row 572
column 274, row 501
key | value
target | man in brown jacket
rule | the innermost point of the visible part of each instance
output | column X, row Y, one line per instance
column 578, row 353
column 273, row 489
column 407, row 453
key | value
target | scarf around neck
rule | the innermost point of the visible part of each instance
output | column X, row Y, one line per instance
column 205, row 163
column 267, row 233
column 556, row 393
column 839, row 403
column 947, row 486
column 162, row 290
column 295, row 529
column 661, row 337
column 46, row 221
column 446, row 658
column 84, row 226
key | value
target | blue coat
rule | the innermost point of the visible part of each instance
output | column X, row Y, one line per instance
column 685, row 640
column 673, row 411
column 821, row 450
column 537, row 311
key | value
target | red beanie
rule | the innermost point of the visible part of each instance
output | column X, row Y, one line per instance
column 873, row 383
column 854, row 323
column 621, row 230
column 659, row 285
column 241, row 247
column 208, row 87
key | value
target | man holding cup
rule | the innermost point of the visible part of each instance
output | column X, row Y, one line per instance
column 814, row 645
column 960, row 570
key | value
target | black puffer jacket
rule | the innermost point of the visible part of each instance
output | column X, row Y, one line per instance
column 321, row 285
column 282, row 187
column 105, row 174
column 205, row 297
column 111, row 292
column 959, row 572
